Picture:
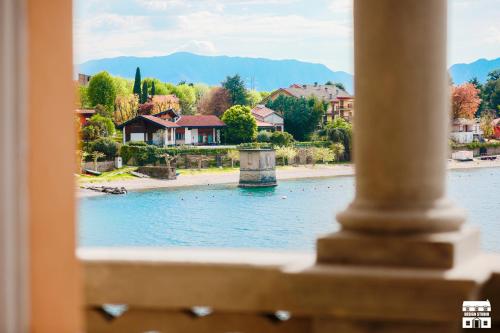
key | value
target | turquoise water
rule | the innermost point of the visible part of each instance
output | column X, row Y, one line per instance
column 290, row 216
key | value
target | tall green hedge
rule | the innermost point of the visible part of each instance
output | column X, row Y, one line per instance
column 143, row 154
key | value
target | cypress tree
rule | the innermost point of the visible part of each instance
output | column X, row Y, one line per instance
column 144, row 96
column 137, row 82
column 153, row 89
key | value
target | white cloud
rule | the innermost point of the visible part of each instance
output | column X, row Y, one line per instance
column 199, row 47
column 341, row 6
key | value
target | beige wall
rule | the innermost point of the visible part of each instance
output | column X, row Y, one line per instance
column 54, row 271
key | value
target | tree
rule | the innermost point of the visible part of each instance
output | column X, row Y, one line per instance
column 338, row 149
column 187, row 98
column 301, row 116
column 102, row 90
column 491, row 91
column 465, row 101
column 336, row 84
column 144, row 96
column 107, row 146
column 83, row 98
column 233, row 155
column 215, row 102
column 95, row 156
column 339, row 131
column 153, row 89
column 123, row 87
column 486, row 124
column 286, row 154
column 137, row 82
column 125, row 108
column 241, row 125
column 281, row 138
column 236, row 87
column 322, row 154
column 96, row 127
column 253, row 97
column 263, row 136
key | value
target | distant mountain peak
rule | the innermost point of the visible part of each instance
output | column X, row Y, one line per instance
column 259, row 73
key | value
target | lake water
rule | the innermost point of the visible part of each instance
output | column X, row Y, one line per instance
column 288, row 217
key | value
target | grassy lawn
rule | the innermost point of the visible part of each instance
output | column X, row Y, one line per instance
column 119, row 174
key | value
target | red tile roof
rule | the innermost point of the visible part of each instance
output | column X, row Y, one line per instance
column 263, row 124
column 159, row 121
column 200, row 121
column 260, row 111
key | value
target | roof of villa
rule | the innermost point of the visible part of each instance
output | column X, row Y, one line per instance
column 263, row 124
column 261, row 111
column 463, row 121
column 200, row 121
column 323, row 92
column 170, row 111
column 150, row 119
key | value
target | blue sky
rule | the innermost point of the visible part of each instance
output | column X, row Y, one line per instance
column 310, row 30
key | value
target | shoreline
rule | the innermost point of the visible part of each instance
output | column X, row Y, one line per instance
column 232, row 177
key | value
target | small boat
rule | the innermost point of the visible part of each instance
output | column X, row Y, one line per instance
column 138, row 174
column 92, row 172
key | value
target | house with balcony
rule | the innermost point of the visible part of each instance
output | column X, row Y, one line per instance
column 267, row 119
column 340, row 102
column 168, row 128
column 466, row 130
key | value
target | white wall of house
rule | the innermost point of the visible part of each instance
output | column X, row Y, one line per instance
column 194, row 136
column 462, row 137
column 274, row 119
column 137, row 137
column 187, row 136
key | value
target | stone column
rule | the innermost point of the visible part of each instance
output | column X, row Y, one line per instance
column 400, row 215
column 402, row 118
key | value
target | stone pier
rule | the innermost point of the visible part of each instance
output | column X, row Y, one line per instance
column 257, row 168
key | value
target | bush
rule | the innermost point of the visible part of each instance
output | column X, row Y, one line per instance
column 241, row 125
column 98, row 127
column 137, row 143
column 105, row 145
column 144, row 154
column 263, row 136
column 281, row 138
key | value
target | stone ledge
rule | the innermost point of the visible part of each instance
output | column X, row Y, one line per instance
column 429, row 250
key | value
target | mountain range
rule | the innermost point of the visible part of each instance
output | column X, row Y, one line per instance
column 259, row 73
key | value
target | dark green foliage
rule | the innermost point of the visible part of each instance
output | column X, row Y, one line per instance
column 489, row 93
column 97, row 127
column 137, row 82
column 105, row 145
column 143, row 154
column 241, row 124
column 340, row 131
column 102, row 91
column 237, row 92
column 301, row 116
column 153, row 89
column 103, row 111
column 264, row 136
column 281, row 138
column 336, row 84
column 144, row 95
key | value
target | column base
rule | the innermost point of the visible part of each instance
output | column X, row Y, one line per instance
column 430, row 250
column 440, row 215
